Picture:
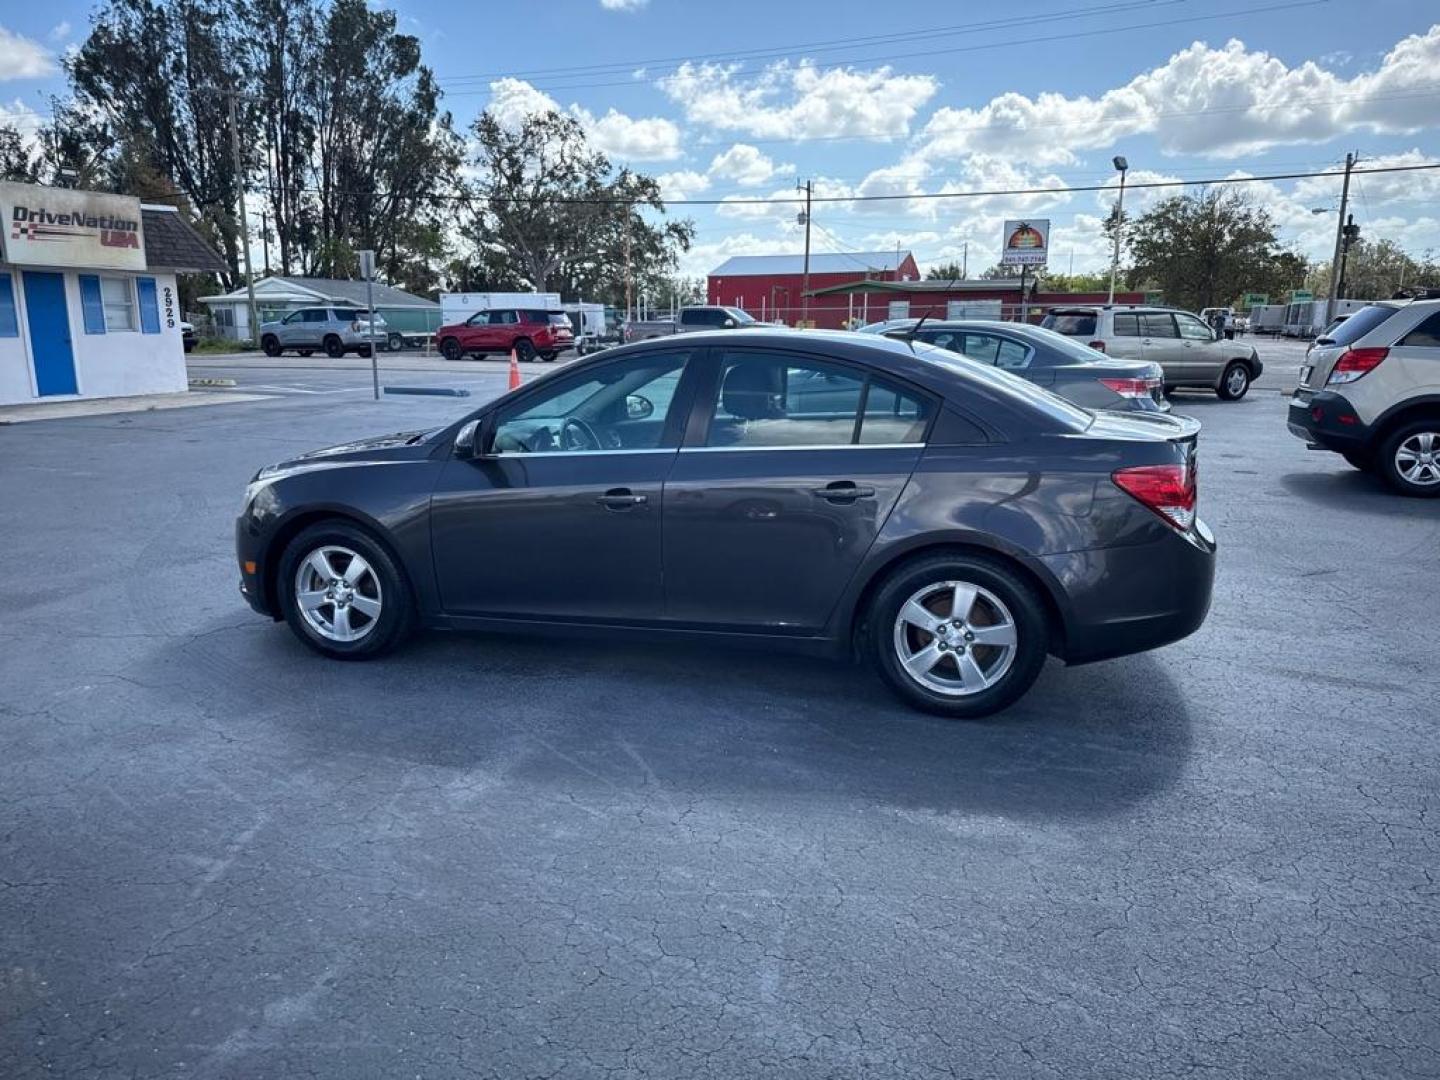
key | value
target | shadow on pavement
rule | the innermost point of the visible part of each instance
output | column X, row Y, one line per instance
column 693, row 720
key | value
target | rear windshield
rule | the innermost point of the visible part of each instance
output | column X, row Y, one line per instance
column 1073, row 351
column 1056, row 408
column 1361, row 323
column 1070, row 323
column 559, row 318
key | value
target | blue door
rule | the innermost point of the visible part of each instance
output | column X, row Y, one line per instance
column 50, row 333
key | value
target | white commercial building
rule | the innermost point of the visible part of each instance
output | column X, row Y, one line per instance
column 88, row 301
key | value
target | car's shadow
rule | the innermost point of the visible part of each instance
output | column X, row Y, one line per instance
column 692, row 721
column 1348, row 489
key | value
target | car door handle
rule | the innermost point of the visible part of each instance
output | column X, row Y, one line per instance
column 843, row 491
column 621, row 499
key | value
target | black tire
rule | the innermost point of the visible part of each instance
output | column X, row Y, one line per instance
column 525, row 351
column 334, row 347
column 1412, row 434
column 271, row 345
column 450, row 349
column 549, row 357
column 1025, row 608
column 397, row 612
column 1359, row 459
column 364, row 351
column 1235, row 382
column 306, row 352
column 395, row 341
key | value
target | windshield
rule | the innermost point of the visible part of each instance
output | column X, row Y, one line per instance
column 1070, row 323
column 742, row 318
column 1056, row 408
column 1360, row 323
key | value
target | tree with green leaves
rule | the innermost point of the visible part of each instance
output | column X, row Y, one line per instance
column 1208, row 248
column 17, row 161
column 947, row 271
column 552, row 214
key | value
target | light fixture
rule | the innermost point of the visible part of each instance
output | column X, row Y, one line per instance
column 1120, row 163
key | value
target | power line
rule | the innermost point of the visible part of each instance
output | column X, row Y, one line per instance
column 793, row 200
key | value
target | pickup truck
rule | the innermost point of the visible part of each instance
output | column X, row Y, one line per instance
column 690, row 318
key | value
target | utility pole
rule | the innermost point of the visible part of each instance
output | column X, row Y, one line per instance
column 244, row 223
column 1122, row 167
column 805, row 282
column 965, row 262
column 1350, row 160
column 265, row 239
column 628, row 279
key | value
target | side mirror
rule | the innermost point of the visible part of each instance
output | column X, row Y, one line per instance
column 467, row 441
column 638, row 407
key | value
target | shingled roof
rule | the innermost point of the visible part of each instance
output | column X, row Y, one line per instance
column 172, row 244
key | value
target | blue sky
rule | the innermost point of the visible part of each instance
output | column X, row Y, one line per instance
column 867, row 99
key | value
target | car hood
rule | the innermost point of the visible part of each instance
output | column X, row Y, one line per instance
column 397, row 446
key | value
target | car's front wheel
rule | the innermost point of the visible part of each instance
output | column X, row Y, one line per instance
column 271, row 344
column 959, row 635
column 343, row 594
column 1409, row 459
column 450, row 349
column 1234, row 383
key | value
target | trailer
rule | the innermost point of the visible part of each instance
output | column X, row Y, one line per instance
column 1309, row 317
column 457, row 307
column 1267, row 318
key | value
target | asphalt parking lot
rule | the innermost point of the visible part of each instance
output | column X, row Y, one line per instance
column 221, row 856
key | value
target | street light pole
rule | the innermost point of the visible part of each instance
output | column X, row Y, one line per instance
column 1122, row 166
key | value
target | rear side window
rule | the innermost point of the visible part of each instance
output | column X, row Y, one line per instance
column 317, row 315
column 1424, row 336
column 1127, row 325
column 1361, row 323
column 1158, row 326
column 1070, row 323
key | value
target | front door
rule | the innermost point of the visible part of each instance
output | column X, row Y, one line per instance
column 774, row 501
column 561, row 519
column 50, row 343
column 1161, row 341
column 1203, row 357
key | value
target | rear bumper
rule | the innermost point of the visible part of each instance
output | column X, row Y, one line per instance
column 1126, row 600
column 1326, row 420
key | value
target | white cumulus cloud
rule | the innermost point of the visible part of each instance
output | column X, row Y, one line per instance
column 746, row 165
column 652, row 138
column 800, row 101
column 21, row 58
column 623, row 5
column 682, row 184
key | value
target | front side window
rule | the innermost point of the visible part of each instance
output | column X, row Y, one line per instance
column 119, row 298
column 1192, row 329
column 317, row 315
column 294, row 317
column 504, row 318
column 1160, row 325
column 775, row 400
column 622, row 406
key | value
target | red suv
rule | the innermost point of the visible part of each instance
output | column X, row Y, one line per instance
column 528, row 331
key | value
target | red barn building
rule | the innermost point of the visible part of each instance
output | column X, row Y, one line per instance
column 868, row 286
column 770, row 287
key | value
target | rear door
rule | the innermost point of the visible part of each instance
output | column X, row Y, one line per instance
column 1125, row 342
column 791, row 464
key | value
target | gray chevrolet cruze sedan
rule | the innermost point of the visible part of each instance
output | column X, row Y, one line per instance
column 950, row 522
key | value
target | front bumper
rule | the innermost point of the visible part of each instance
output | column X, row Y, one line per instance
column 1131, row 599
column 1326, row 420
column 249, row 554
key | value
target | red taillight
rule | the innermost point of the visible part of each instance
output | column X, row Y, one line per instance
column 1168, row 490
column 1098, row 346
column 1132, row 388
column 1356, row 362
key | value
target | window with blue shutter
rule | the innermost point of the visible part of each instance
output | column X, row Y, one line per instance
column 149, row 310
column 9, row 323
column 92, row 304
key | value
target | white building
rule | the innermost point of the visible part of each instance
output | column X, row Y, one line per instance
column 88, row 302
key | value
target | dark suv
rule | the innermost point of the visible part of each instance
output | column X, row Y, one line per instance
column 530, row 332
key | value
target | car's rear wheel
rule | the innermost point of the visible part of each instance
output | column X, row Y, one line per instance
column 334, row 347
column 1409, row 459
column 342, row 593
column 271, row 344
column 1235, row 382
column 395, row 341
column 450, row 349
column 959, row 635
column 525, row 351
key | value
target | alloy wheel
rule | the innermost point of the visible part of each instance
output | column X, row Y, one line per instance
column 338, row 593
column 1417, row 459
column 955, row 638
column 1236, row 381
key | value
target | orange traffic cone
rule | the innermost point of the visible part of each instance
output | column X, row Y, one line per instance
column 514, row 371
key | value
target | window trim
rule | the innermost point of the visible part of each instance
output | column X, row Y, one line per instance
column 707, row 398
